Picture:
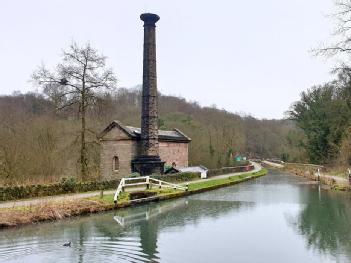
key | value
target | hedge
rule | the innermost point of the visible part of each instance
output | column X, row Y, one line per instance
column 178, row 177
column 64, row 187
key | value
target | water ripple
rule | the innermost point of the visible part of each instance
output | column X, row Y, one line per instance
column 93, row 250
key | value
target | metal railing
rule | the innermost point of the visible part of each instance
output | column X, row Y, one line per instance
column 147, row 181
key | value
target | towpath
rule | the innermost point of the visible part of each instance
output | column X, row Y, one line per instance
column 338, row 179
column 68, row 197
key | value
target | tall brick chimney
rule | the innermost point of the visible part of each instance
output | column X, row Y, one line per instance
column 149, row 161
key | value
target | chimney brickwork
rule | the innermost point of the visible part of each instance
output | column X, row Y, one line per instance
column 149, row 161
column 149, row 117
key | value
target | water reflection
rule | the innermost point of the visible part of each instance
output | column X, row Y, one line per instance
column 277, row 218
column 325, row 221
column 129, row 235
column 124, row 218
column 149, row 220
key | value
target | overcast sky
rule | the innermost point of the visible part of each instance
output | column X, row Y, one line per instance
column 244, row 56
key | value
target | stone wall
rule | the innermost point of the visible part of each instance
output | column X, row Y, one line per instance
column 174, row 152
column 117, row 143
column 125, row 150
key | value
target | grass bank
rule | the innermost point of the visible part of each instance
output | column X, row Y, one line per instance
column 10, row 217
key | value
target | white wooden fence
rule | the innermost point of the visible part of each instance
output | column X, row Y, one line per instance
column 147, row 181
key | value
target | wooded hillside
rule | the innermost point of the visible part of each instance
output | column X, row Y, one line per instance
column 40, row 144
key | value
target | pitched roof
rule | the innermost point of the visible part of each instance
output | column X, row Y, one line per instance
column 134, row 133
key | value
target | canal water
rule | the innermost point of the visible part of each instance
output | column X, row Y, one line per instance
column 276, row 218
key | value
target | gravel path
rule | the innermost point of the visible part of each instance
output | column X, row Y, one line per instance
column 276, row 165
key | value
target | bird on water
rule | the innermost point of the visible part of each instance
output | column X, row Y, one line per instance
column 67, row 244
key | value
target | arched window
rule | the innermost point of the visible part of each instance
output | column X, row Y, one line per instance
column 115, row 163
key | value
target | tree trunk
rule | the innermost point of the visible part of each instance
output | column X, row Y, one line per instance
column 83, row 150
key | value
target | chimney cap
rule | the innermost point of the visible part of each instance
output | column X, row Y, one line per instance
column 149, row 18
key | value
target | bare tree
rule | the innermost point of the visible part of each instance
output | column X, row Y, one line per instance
column 340, row 42
column 76, row 81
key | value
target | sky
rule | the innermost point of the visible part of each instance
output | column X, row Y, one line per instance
column 248, row 57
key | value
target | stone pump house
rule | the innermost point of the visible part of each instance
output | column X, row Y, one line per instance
column 121, row 144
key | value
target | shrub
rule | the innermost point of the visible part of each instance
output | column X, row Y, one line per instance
column 68, row 184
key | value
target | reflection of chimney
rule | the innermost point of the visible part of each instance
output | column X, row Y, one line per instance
column 149, row 161
column 148, row 238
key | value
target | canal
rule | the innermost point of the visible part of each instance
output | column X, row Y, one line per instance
column 275, row 218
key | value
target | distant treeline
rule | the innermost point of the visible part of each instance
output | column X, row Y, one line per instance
column 39, row 143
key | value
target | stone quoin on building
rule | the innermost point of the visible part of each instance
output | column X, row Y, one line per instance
column 144, row 150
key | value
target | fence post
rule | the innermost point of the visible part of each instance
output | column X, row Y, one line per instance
column 349, row 174
column 147, row 182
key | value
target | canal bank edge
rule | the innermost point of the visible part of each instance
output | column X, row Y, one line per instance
column 11, row 217
column 309, row 171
